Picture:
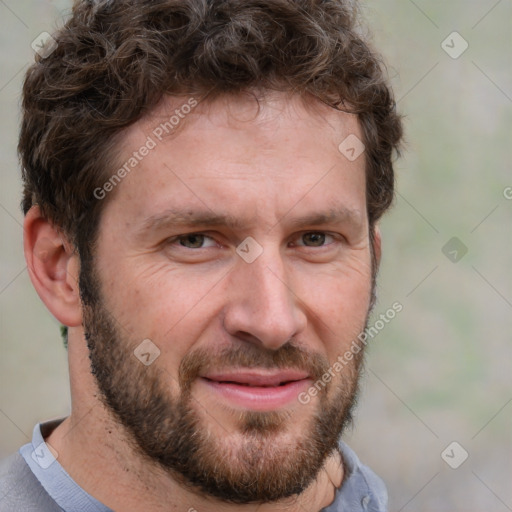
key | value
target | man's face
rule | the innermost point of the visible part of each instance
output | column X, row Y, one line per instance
column 243, row 325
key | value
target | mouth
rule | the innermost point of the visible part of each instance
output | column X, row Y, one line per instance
column 257, row 390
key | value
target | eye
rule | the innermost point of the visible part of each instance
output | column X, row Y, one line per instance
column 315, row 239
column 195, row 241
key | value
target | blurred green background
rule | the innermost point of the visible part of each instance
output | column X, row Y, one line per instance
column 441, row 371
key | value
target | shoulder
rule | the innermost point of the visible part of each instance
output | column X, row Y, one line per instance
column 20, row 491
column 366, row 477
column 362, row 489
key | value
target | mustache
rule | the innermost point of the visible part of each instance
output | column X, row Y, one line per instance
column 201, row 360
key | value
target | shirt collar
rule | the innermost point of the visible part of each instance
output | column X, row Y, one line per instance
column 361, row 489
column 44, row 463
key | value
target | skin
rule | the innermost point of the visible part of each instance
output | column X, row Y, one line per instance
column 269, row 170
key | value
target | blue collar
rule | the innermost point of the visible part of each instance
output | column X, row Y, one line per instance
column 53, row 477
column 361, row 491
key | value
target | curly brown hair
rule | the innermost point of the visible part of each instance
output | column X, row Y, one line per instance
column 115, row 60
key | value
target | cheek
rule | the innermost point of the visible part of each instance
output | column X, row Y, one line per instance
column 164, row 305
column 338, row 304
column 338, row 291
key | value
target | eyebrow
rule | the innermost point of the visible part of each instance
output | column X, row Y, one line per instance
column 181, row 218
column 173, row 218
column 336, row 215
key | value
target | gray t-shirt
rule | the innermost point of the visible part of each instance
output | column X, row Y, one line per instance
column 33, row 480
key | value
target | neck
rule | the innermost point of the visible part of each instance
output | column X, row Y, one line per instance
column 97, row 454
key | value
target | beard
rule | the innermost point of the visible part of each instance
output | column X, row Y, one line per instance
column 256, row 461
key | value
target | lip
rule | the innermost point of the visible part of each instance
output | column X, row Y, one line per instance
column 257, row 390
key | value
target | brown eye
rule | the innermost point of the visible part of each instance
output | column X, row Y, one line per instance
column 314, row 239
column 192, row 241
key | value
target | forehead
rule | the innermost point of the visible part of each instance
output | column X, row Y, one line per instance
column 249, row 110
column 237, row 153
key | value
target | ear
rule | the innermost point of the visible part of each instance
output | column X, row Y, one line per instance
column 53, row 266
column 377, row 245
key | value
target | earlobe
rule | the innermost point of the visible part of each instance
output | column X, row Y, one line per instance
column 53, row 267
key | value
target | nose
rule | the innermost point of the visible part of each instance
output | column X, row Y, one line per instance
column 263, row 307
